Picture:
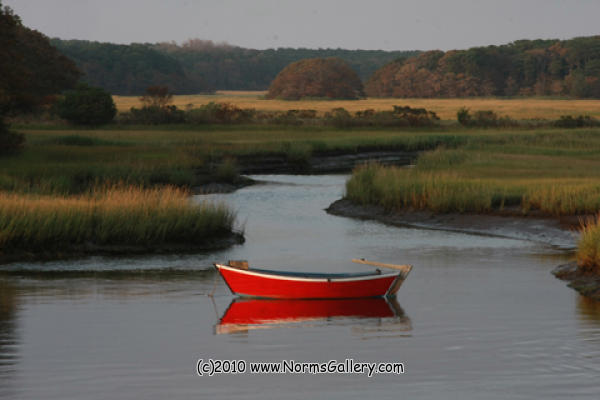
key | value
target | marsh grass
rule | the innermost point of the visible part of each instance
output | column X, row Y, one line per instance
column 549, row 172
column 109, row 215
column 227, row 171
column 588, row 248
column 517, row 108
column 65, row 161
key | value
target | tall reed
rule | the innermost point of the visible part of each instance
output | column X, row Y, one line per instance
column 588, row 247
column 448, row 189
column 395, row 189
column 109, row 215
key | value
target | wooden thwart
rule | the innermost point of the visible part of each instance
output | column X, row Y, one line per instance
column 404, row 268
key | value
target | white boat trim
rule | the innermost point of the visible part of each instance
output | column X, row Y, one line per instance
column 300, row 279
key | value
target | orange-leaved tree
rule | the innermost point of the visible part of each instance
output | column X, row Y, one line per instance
column 317, row 78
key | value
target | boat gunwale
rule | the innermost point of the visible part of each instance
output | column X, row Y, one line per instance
column 325, row 278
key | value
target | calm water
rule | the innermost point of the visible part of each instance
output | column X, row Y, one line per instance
column 479, row 317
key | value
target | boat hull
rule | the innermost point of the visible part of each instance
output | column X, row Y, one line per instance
column 253, row 283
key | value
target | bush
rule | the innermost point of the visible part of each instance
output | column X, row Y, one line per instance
column 568, row 121
column 298, row 154
column 87, row 105
column 340, row 118
column 9, row 141
column 153, row 115
column 463, row 116
column 399, row 116
column 415, row 116
column 220, row 113
column 483, row 119
column 227, row 171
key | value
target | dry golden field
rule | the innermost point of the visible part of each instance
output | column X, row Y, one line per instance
column 529, row 108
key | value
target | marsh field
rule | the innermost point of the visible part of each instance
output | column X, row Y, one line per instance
column 517, row 108
column 520, row 170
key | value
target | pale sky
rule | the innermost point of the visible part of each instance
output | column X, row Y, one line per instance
column 350, row 24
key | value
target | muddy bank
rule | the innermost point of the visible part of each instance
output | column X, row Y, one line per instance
column 221, row 187
column 549, row 231
column 92, row 249
column 586, row 285
column 322, row 162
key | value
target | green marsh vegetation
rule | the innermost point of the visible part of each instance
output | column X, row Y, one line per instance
column 465, row 169
column 552, row 172
column 540, row 172
column 59, row 160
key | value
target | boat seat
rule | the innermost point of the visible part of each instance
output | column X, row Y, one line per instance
column 324, row 275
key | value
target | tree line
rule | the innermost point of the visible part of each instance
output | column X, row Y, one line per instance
column 32, row 72
column 522, row 68
column 198, row 66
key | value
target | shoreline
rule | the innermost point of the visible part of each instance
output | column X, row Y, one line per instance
column 555, row 232
column 91, row 249
column 549, row 231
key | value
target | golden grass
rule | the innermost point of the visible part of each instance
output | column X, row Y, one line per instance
column 588, row 248
column 528, row 108
column 109, row 215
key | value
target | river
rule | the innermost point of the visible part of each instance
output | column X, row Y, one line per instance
column 478, row 317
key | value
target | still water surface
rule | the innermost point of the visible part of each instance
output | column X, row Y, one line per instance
column 478, row 318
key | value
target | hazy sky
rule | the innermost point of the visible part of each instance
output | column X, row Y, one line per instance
column 351, row 24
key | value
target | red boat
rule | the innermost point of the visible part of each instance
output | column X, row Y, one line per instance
column 246, row 314
column 255, row 282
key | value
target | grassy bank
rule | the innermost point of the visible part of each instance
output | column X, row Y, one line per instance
column 116, row 215
column 518, row 108
column 548, row 172
column 69, row 161
column 588, row 248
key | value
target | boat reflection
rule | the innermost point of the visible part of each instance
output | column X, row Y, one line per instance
column 244, row 315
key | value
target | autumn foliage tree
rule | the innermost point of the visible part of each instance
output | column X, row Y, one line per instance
column 525, row 67
column 317, row 77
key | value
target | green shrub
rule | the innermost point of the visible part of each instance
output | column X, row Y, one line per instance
column 483, row 119
column 463, row 116
column 220, row 113
column 227, row 171
column 581, row 121
column 87, row 105
column 340, row 118
column 10, row 142
column 153, row 115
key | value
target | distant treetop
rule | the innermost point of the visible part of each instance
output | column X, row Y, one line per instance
column 522, row 68
column 317, row 78
column 200, row 66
